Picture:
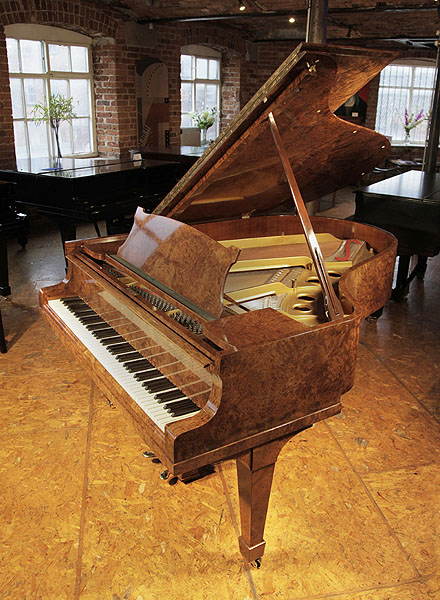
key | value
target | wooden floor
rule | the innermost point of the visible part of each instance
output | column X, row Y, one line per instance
column 354, row 512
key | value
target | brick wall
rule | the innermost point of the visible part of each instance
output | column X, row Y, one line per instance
column 115, row 53
column 7, row 151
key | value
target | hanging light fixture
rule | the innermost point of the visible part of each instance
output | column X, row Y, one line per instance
column 241, row 6
column 292, row 20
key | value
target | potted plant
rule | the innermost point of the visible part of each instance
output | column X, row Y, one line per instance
column 58, row 109
column 204, row 119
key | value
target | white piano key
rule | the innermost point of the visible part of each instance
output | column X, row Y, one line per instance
column 144, row 399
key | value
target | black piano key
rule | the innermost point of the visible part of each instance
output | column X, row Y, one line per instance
column 160, row 385
column 74, row 302
column 137, row 368
column 147, row 377
column 130, row 356
column 148, row 374
column 92, row 319
column 120, row 348
column 109, row 341
column 170, row 395
column 105, row 332
column 183, row 411
column 179, row 404
column 84, row 310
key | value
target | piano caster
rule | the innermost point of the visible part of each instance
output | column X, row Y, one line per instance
column 374, row 316
column 148, row 454
column 256, row 563
column 165, row 474
column 173, row 480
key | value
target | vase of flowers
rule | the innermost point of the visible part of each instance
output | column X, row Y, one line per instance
column 204, row 119
column 410, row 122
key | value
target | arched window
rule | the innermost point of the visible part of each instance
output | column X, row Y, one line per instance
column 44, row 61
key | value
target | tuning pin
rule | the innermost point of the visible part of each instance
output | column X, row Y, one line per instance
column 148, row 454
column 165, row 474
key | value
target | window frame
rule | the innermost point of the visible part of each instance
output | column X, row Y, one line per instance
column 200, row 53
column 411, row 90
column 48, row 76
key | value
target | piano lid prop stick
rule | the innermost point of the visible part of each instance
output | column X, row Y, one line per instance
column 332, row 305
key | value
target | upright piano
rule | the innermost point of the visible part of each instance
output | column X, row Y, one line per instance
column 208, row 323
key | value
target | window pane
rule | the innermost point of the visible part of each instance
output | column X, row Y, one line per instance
column 38, row 139
column 59, row 86
column 65, row 136
column 17, row 99
column 13, row 60
column 59, row 58
column 20, row 140
column 187, row 121
column 186, row 97
column 201, row 68
column 213, row 69
column 424, row 77
column 80, row 59
column 81, row 135
column 391, row 106
column 200, row 96
column 31, row 56
column 33, row 93
column 396, row 75
column 185, row 66
column 79, row 90
column 211, row 96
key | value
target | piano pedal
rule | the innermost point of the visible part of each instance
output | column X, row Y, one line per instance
column 165, row 474
column 197, row 474
column 148, row 454
column 256, row 563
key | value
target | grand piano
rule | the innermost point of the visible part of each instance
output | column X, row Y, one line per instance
column 209, row 323
column 407, row 205
column 88, row 190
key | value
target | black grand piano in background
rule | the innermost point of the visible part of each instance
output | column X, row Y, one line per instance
column 407, row 205
column 90, row 190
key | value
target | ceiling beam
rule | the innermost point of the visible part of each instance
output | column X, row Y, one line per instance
column 379, row 8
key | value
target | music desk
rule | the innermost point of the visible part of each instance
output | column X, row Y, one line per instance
column 407, row 205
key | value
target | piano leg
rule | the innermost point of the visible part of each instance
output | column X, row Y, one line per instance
column 401, row 278
column 255, row 472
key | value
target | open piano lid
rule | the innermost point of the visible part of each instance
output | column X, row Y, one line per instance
column 241, row 172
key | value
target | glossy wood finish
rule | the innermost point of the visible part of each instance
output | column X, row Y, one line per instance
column 262, row 375
column 241, row 172
column 255, row 473
column 186, row 261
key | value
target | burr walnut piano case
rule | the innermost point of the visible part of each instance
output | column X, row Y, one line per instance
column 212, row 305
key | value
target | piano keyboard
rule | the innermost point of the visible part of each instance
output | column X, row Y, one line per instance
column 156, row 395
